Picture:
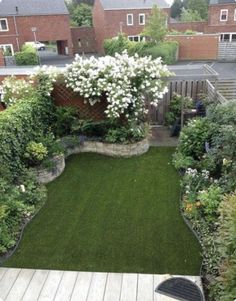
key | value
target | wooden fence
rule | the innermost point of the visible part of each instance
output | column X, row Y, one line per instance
column 192, row 81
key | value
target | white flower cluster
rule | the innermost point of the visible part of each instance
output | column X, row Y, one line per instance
column 193, row 173
column 13, row 89
column 124, row 80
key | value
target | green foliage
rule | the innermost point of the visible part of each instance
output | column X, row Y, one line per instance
column 28, row 119
column 17, row 203
column 177, row 102
column 156, row 27
column 91, row 128
column 81, row 15
column 27, row 56
column 194, row 136
column 203, row 198
column 166, row 50
column 66, row 119
column 125, row 134
column 116, row 45
column 176, row 8
column 35, row 153
column 199, row 6
column 225, row 287
column 189, row 15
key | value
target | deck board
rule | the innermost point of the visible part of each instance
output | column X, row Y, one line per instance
column 46, row 285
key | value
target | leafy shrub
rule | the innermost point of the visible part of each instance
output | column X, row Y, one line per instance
column 91, row 128
column 66, row 119
column 194, row 136
column 28, row 119
column 166, row 50
column 35, row 153
column 223, row 113
column 28, row 56
column 176, row 104
column 125, row 134
column 225, row 288
column 116, row 45
column 17, row 203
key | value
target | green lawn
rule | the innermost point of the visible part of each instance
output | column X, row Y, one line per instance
column 106, row 214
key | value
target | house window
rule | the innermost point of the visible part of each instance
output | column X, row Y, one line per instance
column 224, row 15
column 7, row 49
column 235, row 14
column 141, row 19
column 233, row 39
column 136, row 38
column 3, row 25
column 130, row 19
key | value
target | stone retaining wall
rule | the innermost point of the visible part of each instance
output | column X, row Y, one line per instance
column 114, row 150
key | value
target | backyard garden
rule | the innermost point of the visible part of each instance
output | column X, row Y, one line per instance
column 115, row 204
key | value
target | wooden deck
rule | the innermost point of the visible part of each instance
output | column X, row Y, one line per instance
column 45, row 285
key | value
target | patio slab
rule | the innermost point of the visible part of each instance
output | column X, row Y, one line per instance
column 49, row 285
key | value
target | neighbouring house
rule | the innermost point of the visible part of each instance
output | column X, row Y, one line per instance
column 222, row 19
column 127, row 16
column 221, row 24
column 29, row 20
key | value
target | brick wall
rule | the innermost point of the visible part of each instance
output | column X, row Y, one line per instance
column 183, row 26
column 99, row 25
column 49, row 28
column 197, row 47
column 83, row 39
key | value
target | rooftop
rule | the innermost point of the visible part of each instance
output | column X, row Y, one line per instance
column 133, row 4
column 222, row 2
column 32, row 7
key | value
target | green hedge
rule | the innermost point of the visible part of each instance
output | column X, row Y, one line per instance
column 166, row 50
column 28, row 56
column 20, row 124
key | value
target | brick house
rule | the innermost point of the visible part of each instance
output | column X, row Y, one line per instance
column 222, row 19
column 112, row 17
column 48, row 18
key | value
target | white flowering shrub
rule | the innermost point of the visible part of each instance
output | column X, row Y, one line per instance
column 124, row 80
column 13, row 89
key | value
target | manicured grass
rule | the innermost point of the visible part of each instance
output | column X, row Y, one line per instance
column 106, row 214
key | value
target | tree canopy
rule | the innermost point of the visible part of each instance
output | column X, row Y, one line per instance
column 156, row 27
column 197, row 6
column 81, row 15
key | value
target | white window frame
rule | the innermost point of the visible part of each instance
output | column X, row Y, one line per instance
column 144, row 19
column 3, row 46
column 140, row 38
column 235, row 14
column 4, row 19
column 221, row 13
column 132, row 17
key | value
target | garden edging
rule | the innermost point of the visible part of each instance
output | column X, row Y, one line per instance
column 45, row 176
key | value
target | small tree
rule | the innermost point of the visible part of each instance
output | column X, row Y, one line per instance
column 81, row 15
column 189, row 15
column 156, row 28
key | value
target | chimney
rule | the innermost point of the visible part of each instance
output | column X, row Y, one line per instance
column 17, row 10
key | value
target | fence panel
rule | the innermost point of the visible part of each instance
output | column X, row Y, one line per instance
column 191, row 88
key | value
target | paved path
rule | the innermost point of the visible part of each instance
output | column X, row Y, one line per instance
column 45, row 285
